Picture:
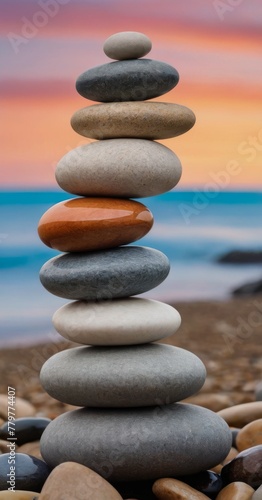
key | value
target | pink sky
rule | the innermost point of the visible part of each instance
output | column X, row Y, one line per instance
column 217, row 53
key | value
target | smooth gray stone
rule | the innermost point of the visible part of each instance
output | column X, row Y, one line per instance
column 107, row 274
column 125, row 376
column 132, row 80
column 140, row 443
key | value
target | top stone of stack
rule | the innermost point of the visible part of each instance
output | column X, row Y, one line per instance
column 129, row 78
column 127, row 45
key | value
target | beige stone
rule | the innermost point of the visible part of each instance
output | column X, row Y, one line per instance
column 141, row 120
column 22, row 407
column 127, row 45
column 173, row 489
column 32, row 448
column 236, row 491
column 72, row 481
column 214, row 402
column 241, row 415
column 250, row 435
column 124, row 168
column 19, row 495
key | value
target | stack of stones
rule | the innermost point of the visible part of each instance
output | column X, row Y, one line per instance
column 131, row 426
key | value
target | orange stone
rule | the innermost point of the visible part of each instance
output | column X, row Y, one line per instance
column 236, row 491
column 85, row 224
column 250, row 435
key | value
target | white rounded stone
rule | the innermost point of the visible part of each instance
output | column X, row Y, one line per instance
column 126, row 168
column 118, row 322
column 127, row 45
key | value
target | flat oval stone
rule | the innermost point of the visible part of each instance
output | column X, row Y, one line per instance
column 246, row 467
column 126, row 376
column 168, row 489
column 141, row 120
column 133, row 80
column 86, row 224
column 30, row 473
column 115, row 273
column 138, row 443
column 26, row 429
column 19, row 495
column 250, row 435
column 125, row 168
column 74, row 481
column 236, row 491
column 243, row 414
column 127, row 45
column 118, row 322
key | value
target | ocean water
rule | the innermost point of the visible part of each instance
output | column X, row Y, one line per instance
column 191, row 228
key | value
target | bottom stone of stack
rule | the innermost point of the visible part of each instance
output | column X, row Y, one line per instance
column 128, row 444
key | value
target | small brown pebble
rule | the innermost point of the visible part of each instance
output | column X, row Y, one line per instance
column 22, row 407
column 236, row 491
column 250, row 435
column 173, row 489
column 241, row 415
column 19, row 495
column 214, row 402
column 32, row 448
column 70, row 481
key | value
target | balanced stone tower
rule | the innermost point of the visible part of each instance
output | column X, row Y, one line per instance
column 130, row 426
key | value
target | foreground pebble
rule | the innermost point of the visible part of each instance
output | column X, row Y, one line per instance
column 32, row 448
column 127, row 45
column 114, row 273
column 243, row 414
column 236, row 491
column 128, row 376
column 86, row 224
column 30, row 473
column 160, row 439
column 132, row 80
column 143, row 120
column 173, row 489
column 26, row 429
column 72, row 481
column 19, row 495
column 258, row 494
column 250, row 435
column 22, row 407
column 119, row 322
column 207, row 482
column 124, row 168
column 246, row 467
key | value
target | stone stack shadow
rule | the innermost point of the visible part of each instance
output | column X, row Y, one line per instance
column 130, row 425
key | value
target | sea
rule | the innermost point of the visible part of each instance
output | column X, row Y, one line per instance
column 193, row 228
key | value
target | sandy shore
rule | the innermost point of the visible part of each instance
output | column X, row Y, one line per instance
column 227, row 336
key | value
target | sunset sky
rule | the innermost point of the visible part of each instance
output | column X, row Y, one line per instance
column 215, row 45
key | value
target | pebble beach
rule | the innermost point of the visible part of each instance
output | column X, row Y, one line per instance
column 226, row 336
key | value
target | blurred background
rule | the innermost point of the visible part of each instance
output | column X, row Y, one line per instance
column 216, row 47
